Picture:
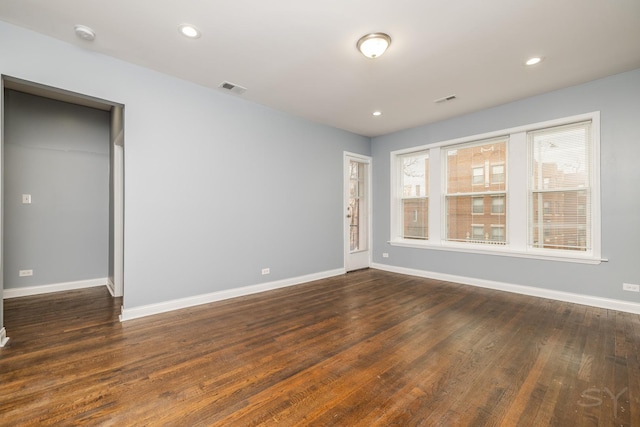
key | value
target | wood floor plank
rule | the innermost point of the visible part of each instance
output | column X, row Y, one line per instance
column 368, row 348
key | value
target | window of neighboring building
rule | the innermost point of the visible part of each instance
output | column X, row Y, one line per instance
column 531, row 191
column 414, row 176
column 497, row 233
column 561, row 175
column 497, row 205
column 478, row 175
column 497, row 173
column 477, row 232
column 459, row 195
column 477, row 205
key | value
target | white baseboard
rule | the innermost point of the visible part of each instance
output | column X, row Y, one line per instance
column 163, row 307
column 613, row 304
column 3, row 337
column 56, row 287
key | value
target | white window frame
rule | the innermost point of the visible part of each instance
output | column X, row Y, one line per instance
column 399, row 212
column 517, row 203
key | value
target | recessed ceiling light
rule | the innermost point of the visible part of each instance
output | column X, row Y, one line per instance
column 84, row 32
column 377, row 113
column 373, row 45
column 533, row 61
column 189, row 30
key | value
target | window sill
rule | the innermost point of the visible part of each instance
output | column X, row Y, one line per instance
column 499, row 250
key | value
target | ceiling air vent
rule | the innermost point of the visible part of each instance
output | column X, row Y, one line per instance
column 231, row 87
column 445, row 99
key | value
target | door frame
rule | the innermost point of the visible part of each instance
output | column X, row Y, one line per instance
column 347, row 157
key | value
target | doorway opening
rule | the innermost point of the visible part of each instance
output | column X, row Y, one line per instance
column 71, row 163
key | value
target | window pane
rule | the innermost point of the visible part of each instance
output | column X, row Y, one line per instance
column 356, row 179
column 474, row 174
column 353, row 170
column 354, row 225
column 416, row 216
column 357, row 200
column 560, row 215
column 469, row 167
column 560, row 157
column 415, row 175
column 560, row 220
column 414, row 190
column 465, row 226
column 353, row 188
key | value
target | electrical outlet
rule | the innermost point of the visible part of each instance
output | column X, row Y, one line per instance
column 25, row 273
column 26, row 199
column 265, row 271
column 630, row 287
column 385, row 255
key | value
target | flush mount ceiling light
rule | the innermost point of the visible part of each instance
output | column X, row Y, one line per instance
column 373, row 45
column 189, row 30
column 377, row 113
column 533, row 61
column 84, row 32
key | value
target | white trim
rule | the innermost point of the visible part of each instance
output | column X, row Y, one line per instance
column 436, row 181
column 55, row 287
column 110, row 287
column 177, row 304
column 608, row 303
column 118, row 216
column 596, row 231
column 518, row 201
column 3, row 337
column 495, row 249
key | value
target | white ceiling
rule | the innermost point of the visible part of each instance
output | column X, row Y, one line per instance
column 300, row 56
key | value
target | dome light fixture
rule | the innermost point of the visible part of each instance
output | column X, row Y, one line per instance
column 189, row 30
column 373, row 45
column 377, row 113
column 85, row 33
column 533, row 61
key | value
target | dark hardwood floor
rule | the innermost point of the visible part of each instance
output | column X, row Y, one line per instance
column 366, row 349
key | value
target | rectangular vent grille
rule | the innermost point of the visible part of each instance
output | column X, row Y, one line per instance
column 445, row 99
column 232, row 87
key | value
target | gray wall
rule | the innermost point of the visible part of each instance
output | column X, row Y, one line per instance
column 58, row 153
column 618, row 99
column 216, row 188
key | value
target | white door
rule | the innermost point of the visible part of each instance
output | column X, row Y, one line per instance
column 357, row 211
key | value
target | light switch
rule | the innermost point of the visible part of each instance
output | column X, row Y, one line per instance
column 26, row 199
